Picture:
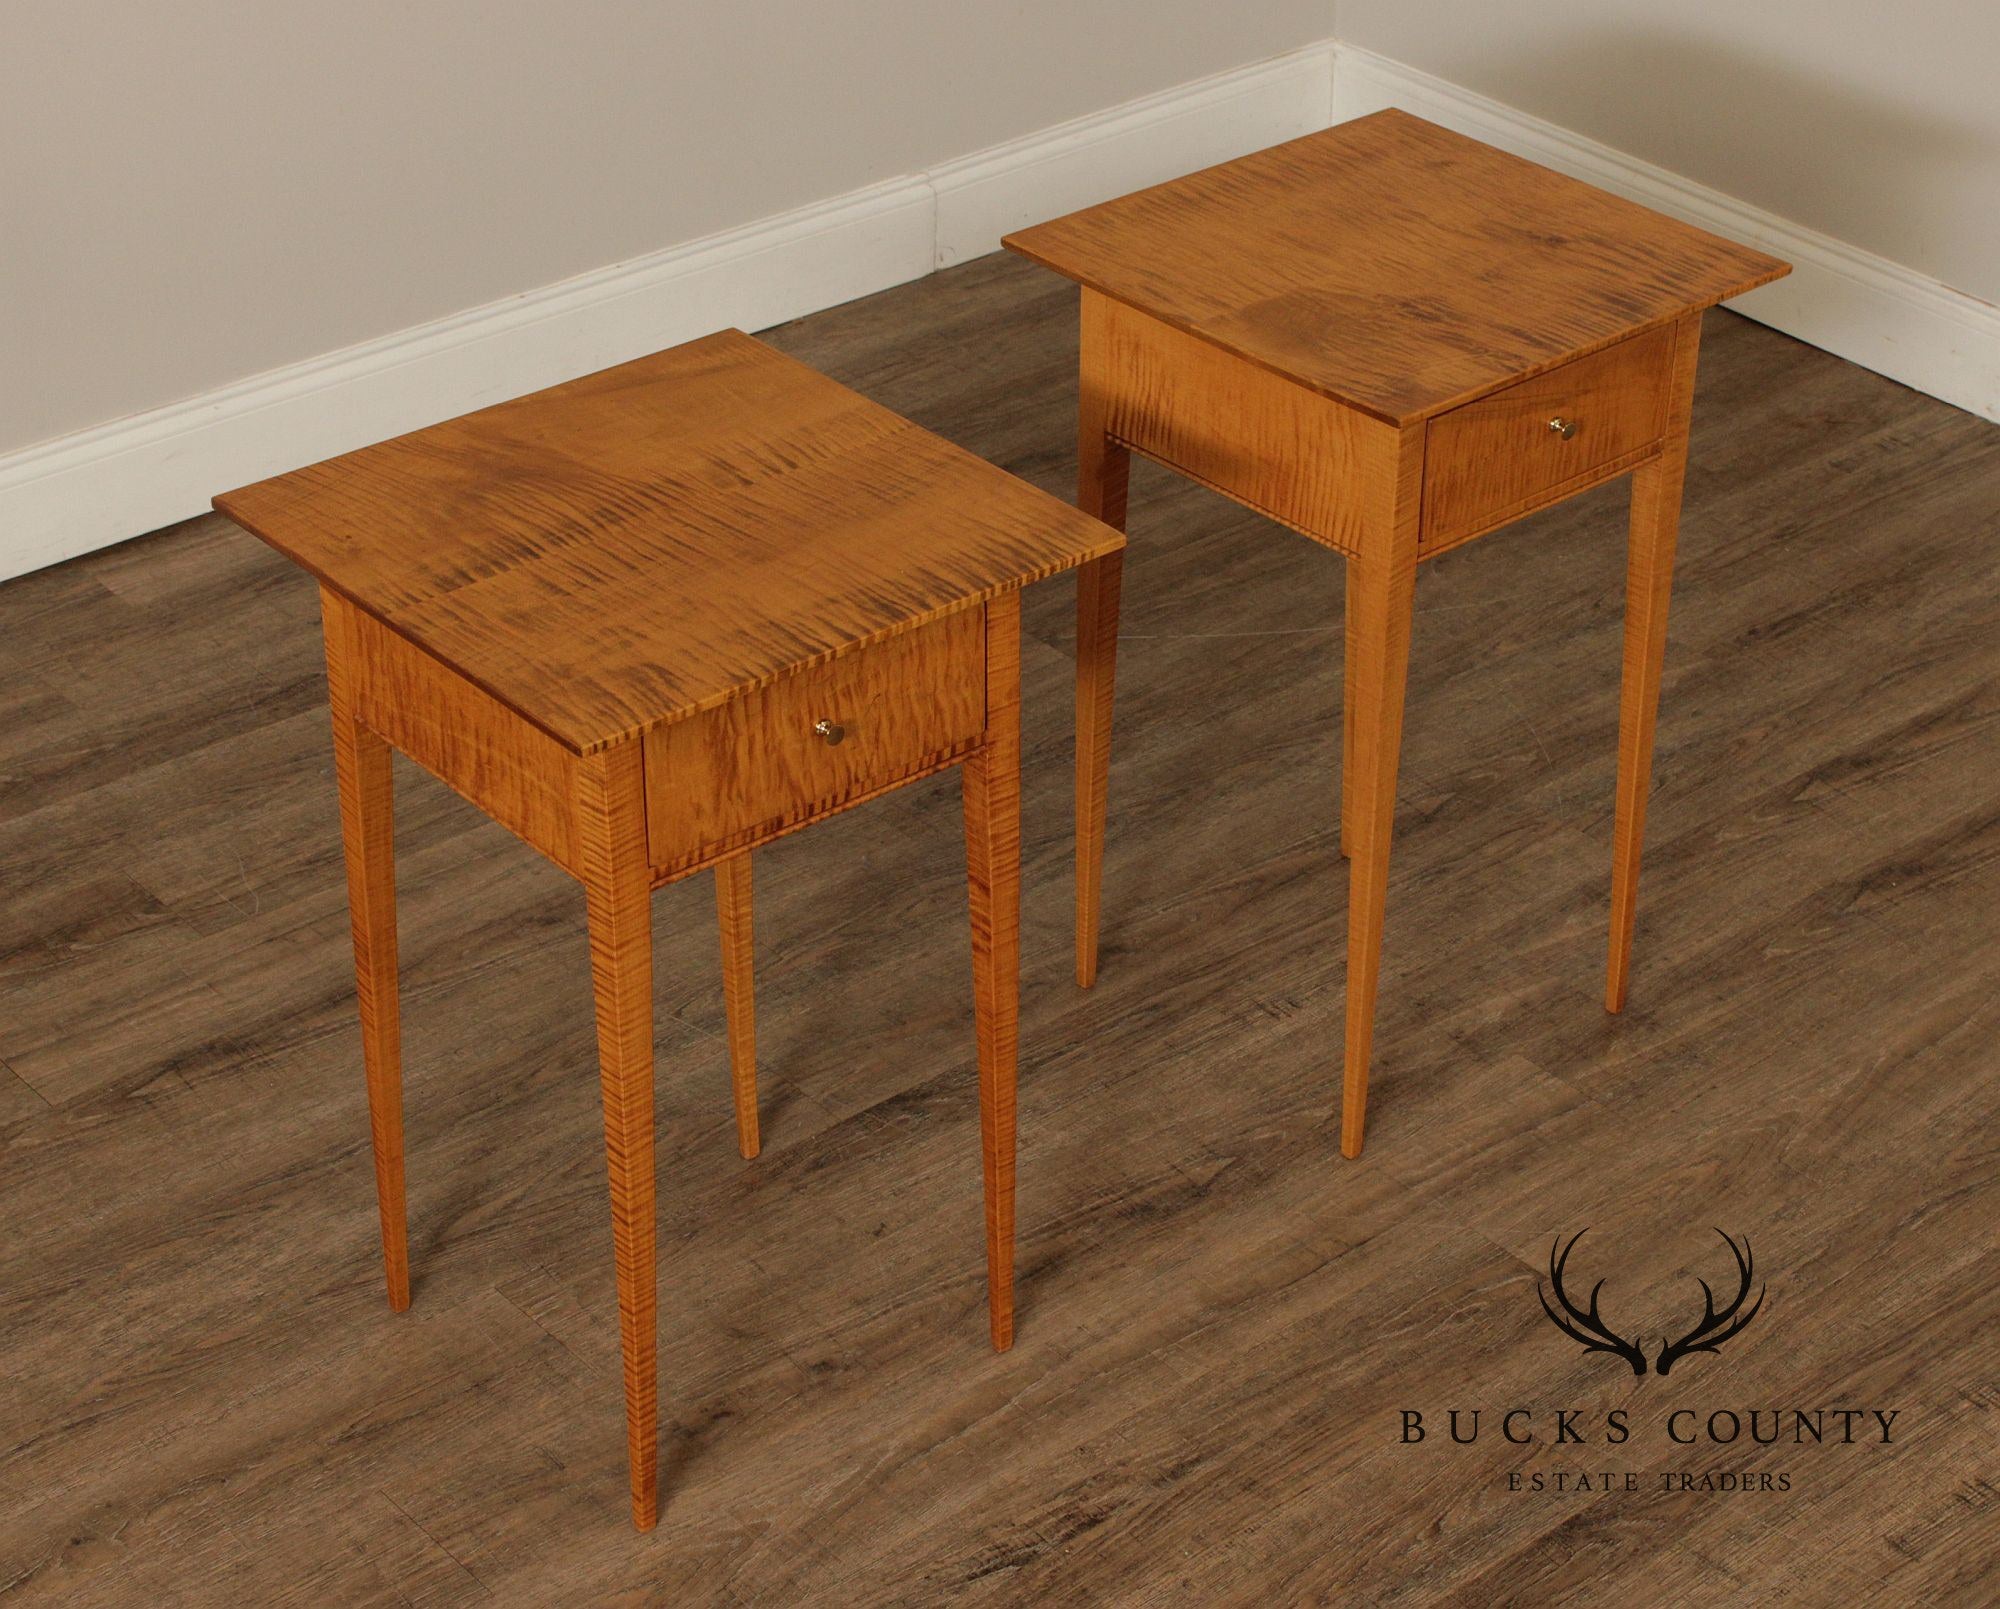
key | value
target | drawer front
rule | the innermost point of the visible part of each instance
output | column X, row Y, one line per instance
column 1503, row 456
column 747, row 769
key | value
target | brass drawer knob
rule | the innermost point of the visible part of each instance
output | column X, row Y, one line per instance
column 1562, row 427
column 832, row 731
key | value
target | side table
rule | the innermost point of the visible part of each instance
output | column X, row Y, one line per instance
column 1392, row 339
column 649, row 620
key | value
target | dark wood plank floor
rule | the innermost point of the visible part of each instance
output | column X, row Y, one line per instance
column 206, row 1400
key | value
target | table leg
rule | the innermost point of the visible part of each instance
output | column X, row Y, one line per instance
column 363, row 770
column 739, row 1001
column 611, row 842
column 1649, row 578
column 992, row 784
column 1347, row 718
column 1381, row 582
column 1103, row 473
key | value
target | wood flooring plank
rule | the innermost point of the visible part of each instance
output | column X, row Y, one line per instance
column 205, row 1399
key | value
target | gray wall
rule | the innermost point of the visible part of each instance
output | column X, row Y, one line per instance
column 1876, row 123
column 191, row 193
column 196, row 192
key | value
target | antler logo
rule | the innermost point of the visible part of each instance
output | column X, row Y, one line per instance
column 1587, row 1327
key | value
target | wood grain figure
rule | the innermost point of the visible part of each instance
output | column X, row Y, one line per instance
column 1393, row 266
column 991, row 781
column 1649, row 578
column 1588, row 419
column 611, row 839
column 660, row 538
column 207, row 1400
column 363, row 772
column 739, row 998
column 515, row 772
column 1392, row 339
column 1103, row 480
column 1348, row 642
column 1383, row 578
column 650, row 621
column 742, row 766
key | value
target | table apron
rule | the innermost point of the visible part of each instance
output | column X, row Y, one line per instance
column 462, row 735
column 1256, row 437
column 1303, row 460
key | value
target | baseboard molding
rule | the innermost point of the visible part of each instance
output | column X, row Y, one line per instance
column 65, row 497
column 1078, row 164
column 85, row 491
column 102, row 486
column 1849, row 302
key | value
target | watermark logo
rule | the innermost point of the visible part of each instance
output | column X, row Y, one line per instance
column 1588, row 1328
column 1703, row 1432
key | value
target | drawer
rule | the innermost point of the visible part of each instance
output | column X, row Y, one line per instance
column 748, row 768
column 1500, row 457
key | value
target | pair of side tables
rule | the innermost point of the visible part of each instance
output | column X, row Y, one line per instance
column 664, row 614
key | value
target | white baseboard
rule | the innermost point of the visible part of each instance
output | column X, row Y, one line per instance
column 84, row 491
column 101, row 486
column 1057, row 170
column 79, row 492
column 1861, row 307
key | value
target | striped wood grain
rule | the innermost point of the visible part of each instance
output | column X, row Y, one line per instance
column 1493, row 460
column 363, row 773
column 656, row 539
column 1217, row 1323
column 1381, row 582
column 510, row 768
column 1244, row 431
column 617, row 885
column 1103, row 478
column 1394, row 266
column 1393, row 339
column 991, row 782
column 648, row 621
column 1649, row 578
column 739, row 994
column 737, row 769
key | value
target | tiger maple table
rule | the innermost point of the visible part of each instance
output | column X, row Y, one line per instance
column 1392, row 339
column 649, row 620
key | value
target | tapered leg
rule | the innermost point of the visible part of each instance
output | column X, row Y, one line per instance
column 1103, row 472
column 1097, row 585
column 611, row 840
column 1347, row 719
column 1381, row 589
column 363, row 770
column 739, row 1000
column 1649, row 577
column 992, row 784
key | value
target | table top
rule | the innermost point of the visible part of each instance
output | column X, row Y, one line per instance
column 1393, row 265
column 648, row 541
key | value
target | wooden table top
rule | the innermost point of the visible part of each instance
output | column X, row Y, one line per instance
column 647, row 541
column 1393, row 265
